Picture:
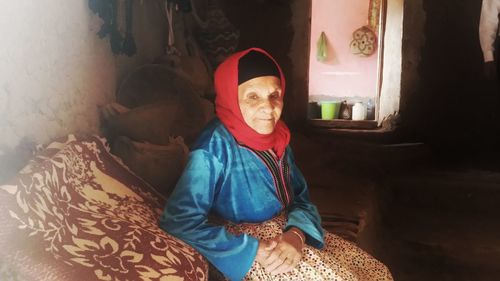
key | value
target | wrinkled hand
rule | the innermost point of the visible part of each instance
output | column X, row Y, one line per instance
column 265, row 249
column 490, row 70
column 281, row 254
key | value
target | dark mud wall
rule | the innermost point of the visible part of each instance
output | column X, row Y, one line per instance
column 446, row 100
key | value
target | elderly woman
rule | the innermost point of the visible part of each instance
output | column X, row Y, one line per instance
column 242, row 172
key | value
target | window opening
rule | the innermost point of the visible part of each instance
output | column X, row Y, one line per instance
column 345, row 63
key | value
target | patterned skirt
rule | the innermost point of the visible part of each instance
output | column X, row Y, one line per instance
column 339, row 260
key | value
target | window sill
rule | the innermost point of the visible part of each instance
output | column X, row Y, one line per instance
column 367, row 130
column 343, row 124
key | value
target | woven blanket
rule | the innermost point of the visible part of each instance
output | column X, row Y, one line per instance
column 76, row 213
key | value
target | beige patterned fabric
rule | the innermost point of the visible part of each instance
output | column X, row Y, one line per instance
column 339, row 260
column 76, row 213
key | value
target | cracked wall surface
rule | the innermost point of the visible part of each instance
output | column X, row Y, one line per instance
column 55, row 71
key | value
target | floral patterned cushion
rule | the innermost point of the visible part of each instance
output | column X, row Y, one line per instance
column 76, row 213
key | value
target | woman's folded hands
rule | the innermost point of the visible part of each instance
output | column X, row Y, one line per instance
column 281, row 254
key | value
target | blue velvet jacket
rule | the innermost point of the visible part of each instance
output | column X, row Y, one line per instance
column 231, row 181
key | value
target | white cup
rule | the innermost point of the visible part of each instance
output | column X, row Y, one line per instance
column 359, row 111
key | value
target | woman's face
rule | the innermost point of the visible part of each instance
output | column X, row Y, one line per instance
column 261, row 103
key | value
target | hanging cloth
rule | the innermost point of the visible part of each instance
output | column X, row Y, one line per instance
column 321, row 48
column 112, row 12
column 217, row 36
column 183, row 5
column 129, row 48
column 170, row 6
column 105, row 9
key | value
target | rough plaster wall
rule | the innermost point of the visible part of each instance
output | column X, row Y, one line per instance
column 55, row 71
column 391, row 84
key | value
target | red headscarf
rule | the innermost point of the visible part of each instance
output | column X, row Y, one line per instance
column 228, row 110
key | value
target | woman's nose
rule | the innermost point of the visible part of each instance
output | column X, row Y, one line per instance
column 267, row 106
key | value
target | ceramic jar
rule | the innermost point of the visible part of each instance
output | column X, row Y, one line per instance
column 359, row 111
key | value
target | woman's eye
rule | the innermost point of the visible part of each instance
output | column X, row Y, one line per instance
column 274, row 96
column 253, row 96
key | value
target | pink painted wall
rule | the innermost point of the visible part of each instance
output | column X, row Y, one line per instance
column 342, row 74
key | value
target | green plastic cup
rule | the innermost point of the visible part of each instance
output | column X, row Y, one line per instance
column 330, row 110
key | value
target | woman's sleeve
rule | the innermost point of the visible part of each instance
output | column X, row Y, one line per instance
column 302, row 213
column 185, row 217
